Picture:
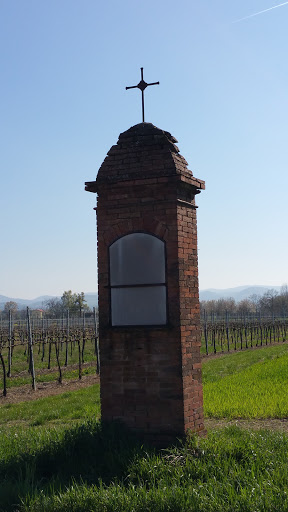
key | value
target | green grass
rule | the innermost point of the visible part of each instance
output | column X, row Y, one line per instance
column 100, row 468
column 54, row 410
column 55, row 456
column 227, row 364
column 250, row 384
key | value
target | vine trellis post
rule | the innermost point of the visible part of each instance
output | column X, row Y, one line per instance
column 30, row 342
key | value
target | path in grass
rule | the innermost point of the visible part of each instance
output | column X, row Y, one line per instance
column 271, row 424
column 45, row 389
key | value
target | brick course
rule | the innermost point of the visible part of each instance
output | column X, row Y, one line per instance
column 151, row 376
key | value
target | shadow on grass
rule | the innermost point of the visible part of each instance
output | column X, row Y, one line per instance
column 87, row 453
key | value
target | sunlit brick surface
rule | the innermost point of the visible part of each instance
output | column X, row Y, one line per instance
column 151, row 376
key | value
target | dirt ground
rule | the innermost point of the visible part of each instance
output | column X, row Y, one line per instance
column 44, row 389
column 255, row 424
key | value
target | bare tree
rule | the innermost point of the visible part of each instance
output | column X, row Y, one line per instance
column 245, row 307
column 53, row 307
column 255, row 300
column 11, row 306
column 267, row 302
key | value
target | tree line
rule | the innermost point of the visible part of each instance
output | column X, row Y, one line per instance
column 54, row 307
column 271, row 303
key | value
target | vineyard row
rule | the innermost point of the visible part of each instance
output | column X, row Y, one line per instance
column 55, row 346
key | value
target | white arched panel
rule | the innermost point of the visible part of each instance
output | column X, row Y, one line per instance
column 137, row 258
column 137, row 280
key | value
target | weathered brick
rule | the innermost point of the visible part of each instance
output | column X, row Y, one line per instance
column 151, row 376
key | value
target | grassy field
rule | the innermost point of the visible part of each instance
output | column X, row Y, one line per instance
column 52, row 411
column 250, row 384
column 56, row 456
column 90, row 467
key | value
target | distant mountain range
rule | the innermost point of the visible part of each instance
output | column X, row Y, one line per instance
column 238, row 293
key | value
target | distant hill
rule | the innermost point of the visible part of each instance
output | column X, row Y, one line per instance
column 39, row 302
column 238, row 293
column 23, row 303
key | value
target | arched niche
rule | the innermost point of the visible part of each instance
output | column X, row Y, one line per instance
column 138, row 280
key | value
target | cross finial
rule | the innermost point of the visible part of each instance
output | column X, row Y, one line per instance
column 142, row 86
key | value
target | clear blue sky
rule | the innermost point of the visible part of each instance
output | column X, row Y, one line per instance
column 223, row 94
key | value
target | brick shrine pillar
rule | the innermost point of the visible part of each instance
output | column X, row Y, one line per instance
column 149, row 314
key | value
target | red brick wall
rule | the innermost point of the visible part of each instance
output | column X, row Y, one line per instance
column 151, row 377
column 190, row 318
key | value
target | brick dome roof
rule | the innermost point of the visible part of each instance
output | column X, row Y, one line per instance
column 142, row 151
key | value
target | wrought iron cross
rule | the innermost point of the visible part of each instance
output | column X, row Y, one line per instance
column 142, row 86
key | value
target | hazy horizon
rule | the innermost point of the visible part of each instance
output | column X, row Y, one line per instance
column 96, row 292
